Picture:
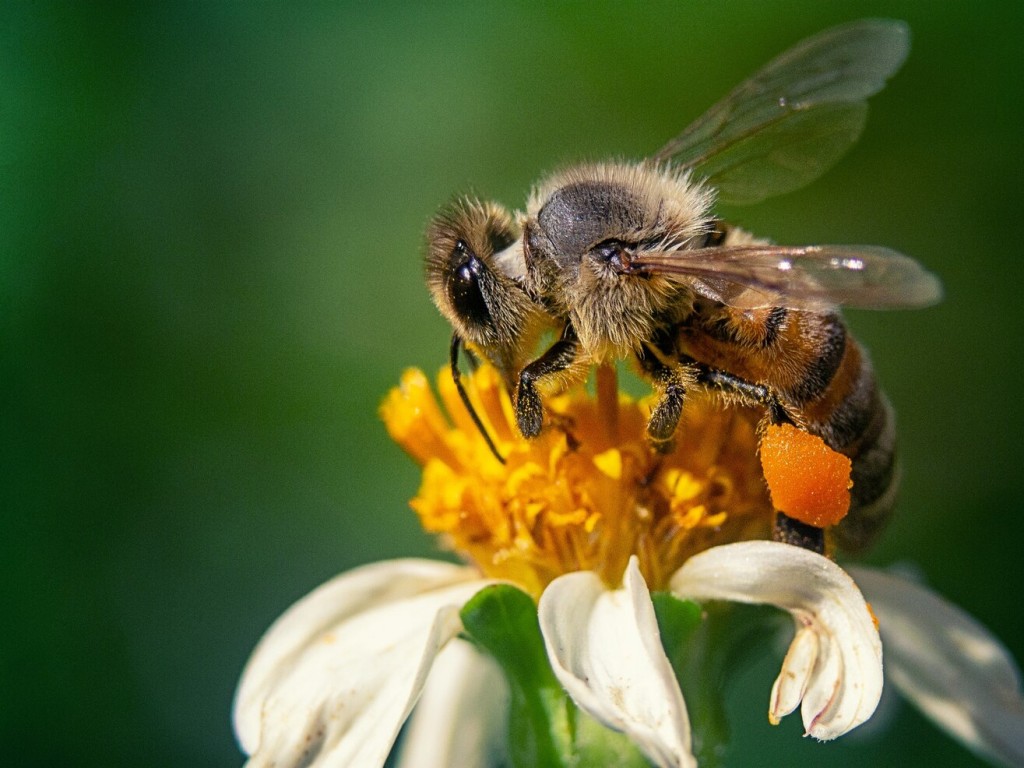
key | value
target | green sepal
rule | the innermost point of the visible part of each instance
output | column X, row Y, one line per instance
column 596, row 746
column 677, row 621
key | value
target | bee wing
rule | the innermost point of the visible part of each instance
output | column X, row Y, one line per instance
column 796, row 117
column 811, row 277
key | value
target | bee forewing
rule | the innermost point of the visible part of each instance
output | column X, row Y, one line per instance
column 794, row 118
column 810, row 277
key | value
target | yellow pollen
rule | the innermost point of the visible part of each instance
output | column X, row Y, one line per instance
column 589, row 492
column 610, row 463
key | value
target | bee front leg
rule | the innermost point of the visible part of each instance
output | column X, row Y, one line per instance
column 559, row 357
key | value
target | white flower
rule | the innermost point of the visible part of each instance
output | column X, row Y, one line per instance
column 951, row 667
column 605, row 648
column 461, row 718
column 834, row 664
column 584, row 518
column 336, row 677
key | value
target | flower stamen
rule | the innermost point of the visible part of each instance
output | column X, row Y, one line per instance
column 586, row 494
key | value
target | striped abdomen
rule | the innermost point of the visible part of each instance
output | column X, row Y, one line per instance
column 824, row 382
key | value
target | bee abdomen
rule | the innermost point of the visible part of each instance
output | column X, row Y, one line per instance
column 854, row 417
column 876, row 480
column 833, row 355
column 824, row 382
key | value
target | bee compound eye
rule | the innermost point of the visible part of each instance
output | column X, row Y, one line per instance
column 466, row 293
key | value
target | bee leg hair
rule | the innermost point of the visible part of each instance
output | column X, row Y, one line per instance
column 752, row 393
column 791, row 531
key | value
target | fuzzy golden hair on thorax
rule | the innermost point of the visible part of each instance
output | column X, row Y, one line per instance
column 578, row 216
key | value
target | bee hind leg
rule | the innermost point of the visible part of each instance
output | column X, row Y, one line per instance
column 791, row 531
column 747, row 390
column 785, row 529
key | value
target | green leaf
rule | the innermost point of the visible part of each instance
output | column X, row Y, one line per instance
column 502, row 621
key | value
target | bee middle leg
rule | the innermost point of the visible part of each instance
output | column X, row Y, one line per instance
column 559, row 357
column 671, row 380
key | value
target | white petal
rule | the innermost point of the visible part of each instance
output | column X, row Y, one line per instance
column 334, row 678
column 843, row 682
column 462, row 716
column 797, row 668
column 949, row 665
column 605, row 649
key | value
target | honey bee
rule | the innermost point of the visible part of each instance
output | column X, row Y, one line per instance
column 628, row 260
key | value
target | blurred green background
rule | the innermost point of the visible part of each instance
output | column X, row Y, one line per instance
column 210, row 239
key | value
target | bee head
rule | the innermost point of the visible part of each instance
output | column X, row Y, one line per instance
column 476, row 290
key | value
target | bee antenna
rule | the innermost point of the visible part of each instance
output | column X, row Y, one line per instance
column 457, row 377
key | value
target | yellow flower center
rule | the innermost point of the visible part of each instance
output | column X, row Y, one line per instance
column 590, row 491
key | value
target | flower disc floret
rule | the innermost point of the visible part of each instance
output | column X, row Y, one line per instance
column 589, row 492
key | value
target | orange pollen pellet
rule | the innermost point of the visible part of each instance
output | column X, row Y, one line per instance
column 807, row 480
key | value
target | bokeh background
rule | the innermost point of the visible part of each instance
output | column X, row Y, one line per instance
column 210, row 240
